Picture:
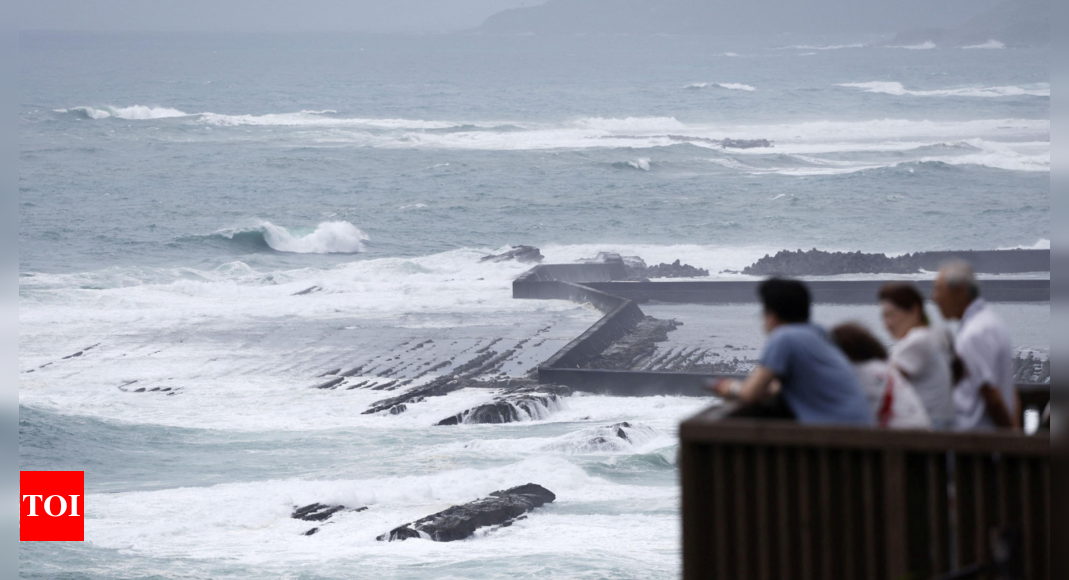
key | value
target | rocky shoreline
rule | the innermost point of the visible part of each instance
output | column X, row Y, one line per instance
column 820, row 263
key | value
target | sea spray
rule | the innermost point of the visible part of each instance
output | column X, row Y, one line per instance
column 334, row 237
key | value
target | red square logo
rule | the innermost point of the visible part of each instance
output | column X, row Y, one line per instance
column 52, row 506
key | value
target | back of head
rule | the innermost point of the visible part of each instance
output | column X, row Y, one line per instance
column 904, row 296
column 857, row 343
column 788, row 299
column 958, row 274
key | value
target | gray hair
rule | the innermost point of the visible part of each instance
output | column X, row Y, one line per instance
column 959, row 274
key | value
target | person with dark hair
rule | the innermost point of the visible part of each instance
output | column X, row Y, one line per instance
column 894, row 401
column 922, row 355
column 985, row 398
column 816, row 380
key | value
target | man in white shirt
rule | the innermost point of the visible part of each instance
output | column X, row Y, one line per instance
column 985, row 398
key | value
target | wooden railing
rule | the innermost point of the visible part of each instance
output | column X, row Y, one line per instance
column 769, row 499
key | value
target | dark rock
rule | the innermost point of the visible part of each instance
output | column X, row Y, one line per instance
column 331, row 384
column 673, row 270
column 316, row 512
column 819, row 263
column 637, row 269
column 522, row 254
column 306, row 291
column 612, row 438
column 517, row 404
column 459, row 522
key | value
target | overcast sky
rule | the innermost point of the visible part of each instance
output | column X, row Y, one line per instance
column 259, row 15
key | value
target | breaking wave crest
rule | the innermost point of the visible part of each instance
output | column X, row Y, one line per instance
column 894, row 88
column 339, row 237
column 729, row 86
column 642, row 163
column 991, row 44
column 134, row 112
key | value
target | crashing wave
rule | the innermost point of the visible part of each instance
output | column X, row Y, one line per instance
column 926, row 45
column 339, row 237
column 642, row 163
column 991, row 45
column 133, row 113
column 320, row 119
column 895, row 88
column 729, row 86
column 831, row 47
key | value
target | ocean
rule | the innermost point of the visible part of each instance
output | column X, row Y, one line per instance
column 178, row 192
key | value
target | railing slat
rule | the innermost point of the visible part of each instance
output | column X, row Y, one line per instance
column 980, row 508
column 783, row 512
column 894, row 476
column 826, row 516
column 720, row 515
column 868, row 487
column 847, row 463
column 938, row 516
column 743, row 518
column 805, row 513
column 1045, row 560
column 764, row 527
column 1027, row 521
column 964, row 486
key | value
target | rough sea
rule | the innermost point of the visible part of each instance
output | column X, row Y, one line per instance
column 178, row 192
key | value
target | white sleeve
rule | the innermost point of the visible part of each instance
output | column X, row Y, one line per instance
column 911, row 357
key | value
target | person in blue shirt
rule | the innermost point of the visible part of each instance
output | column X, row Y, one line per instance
column 816, row 379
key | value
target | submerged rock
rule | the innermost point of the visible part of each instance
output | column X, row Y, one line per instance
column 637, row 269
column 459, row 522
column 522, row 254
column 520, row 404
column 315, row 512
column 318, row 512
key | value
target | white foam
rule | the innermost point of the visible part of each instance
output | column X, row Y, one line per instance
column 926, row 45
column 1042, row 244
column 825, row 47
column 134, row 112
column 989, row 45
column 328, row 238
column 729, row 86
column 250, row 523
column 895, row 88
column 642, row 163
column 320, row 119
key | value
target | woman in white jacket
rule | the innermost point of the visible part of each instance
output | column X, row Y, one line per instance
column 922, row 354
column 894, row 400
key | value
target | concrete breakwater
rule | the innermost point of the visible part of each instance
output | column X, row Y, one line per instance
column 605, row 287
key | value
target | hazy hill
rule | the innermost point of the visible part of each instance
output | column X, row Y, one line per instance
column 734, row 16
